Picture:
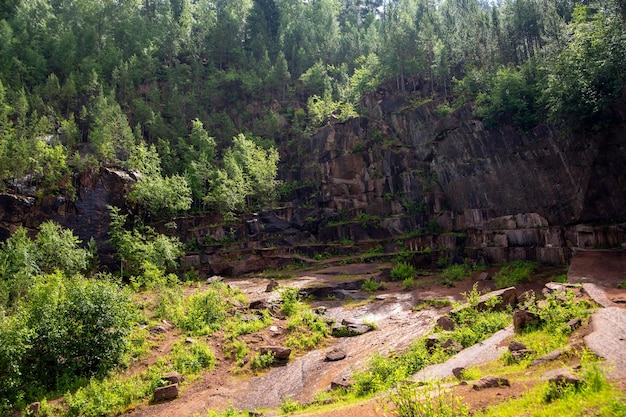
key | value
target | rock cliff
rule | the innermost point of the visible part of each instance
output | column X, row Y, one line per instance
column 437, row 182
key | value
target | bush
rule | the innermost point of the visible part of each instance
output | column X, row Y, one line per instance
column 65, row 328
column 402, row 271
column 205, row 312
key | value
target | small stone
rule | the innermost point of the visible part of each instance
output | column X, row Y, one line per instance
column 335, row 355
column 342, row 383
column 491, row 382
column 166, row 393
column 574, row 323
column 158, row 330
column 214, row 278
column 552, row 356
column 320, row 310
column 280, row 353
column 445, row 323
column 564, row 377
column 484, row 276
column 173, row 377
column 458, row 372
column 273, row 284
column 523, row 319
column 189, row 340
column 452, row 346
column 259, row 305
column 515, row 346
column 34, row 408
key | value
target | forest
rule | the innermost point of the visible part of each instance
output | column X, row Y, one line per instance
column 199, row 96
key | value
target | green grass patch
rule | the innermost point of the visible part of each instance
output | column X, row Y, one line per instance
column 402, row 271
column 514, row 273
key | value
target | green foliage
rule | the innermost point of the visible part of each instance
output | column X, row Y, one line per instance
column 456, row 272
column 191, row 358
column 21, row 259
column 408, row 283
column 402, row 271
column 513, row 95
column 514, row 273
column 205, row 311
column 262, row 361
column 587, row 75
column 411, row 400
column 370, row 285
column 135, row 248
column 557, row 309
column 432, row 303
column 162, row 196
column 64, row 329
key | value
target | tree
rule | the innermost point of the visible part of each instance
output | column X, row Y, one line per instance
column 589, row 73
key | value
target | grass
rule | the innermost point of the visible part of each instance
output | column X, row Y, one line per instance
column 514, row 273
column 433, row 303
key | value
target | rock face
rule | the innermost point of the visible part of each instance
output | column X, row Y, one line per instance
column 513, row 195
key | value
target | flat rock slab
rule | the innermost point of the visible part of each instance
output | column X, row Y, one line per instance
column 604, row 267
column 598, row 295
column 482, row 352
column 608, row 339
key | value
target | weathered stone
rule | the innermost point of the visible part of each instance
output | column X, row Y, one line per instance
column 507, row 296
column 34, row 408
column 214, row 278
column 550, row 357
column 351, row 328
column 166, row 393
column 280, row 353
column 452, row 346
column 458, row 372
column 271, row 286
column 484, row 276
column 522, row 353
column 189, row 340
column 574, row 323
column 342, row 383
column 563, row 377
column 523, row 319
column 158, row 330
column 432, row 341
column 259, row 305
column 491, row 382
column 173, row 377
column 445, row 323
column 335, row 355
column 515, row 346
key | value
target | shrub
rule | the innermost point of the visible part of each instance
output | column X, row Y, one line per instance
column 65, row 328
column 205, row 312
column 262, row 361
column 370, row 285
column 402, row 271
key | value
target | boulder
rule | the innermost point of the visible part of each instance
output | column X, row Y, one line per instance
column 158, row 330
column 563, row 378
column 166, row 393
column 491, row 382
column 342, row 383
column 515, row 346
column 523, row 319
column 445, row 323
column 335, row 355
column 280, row 353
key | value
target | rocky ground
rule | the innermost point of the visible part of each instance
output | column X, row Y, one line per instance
column 397, row 325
